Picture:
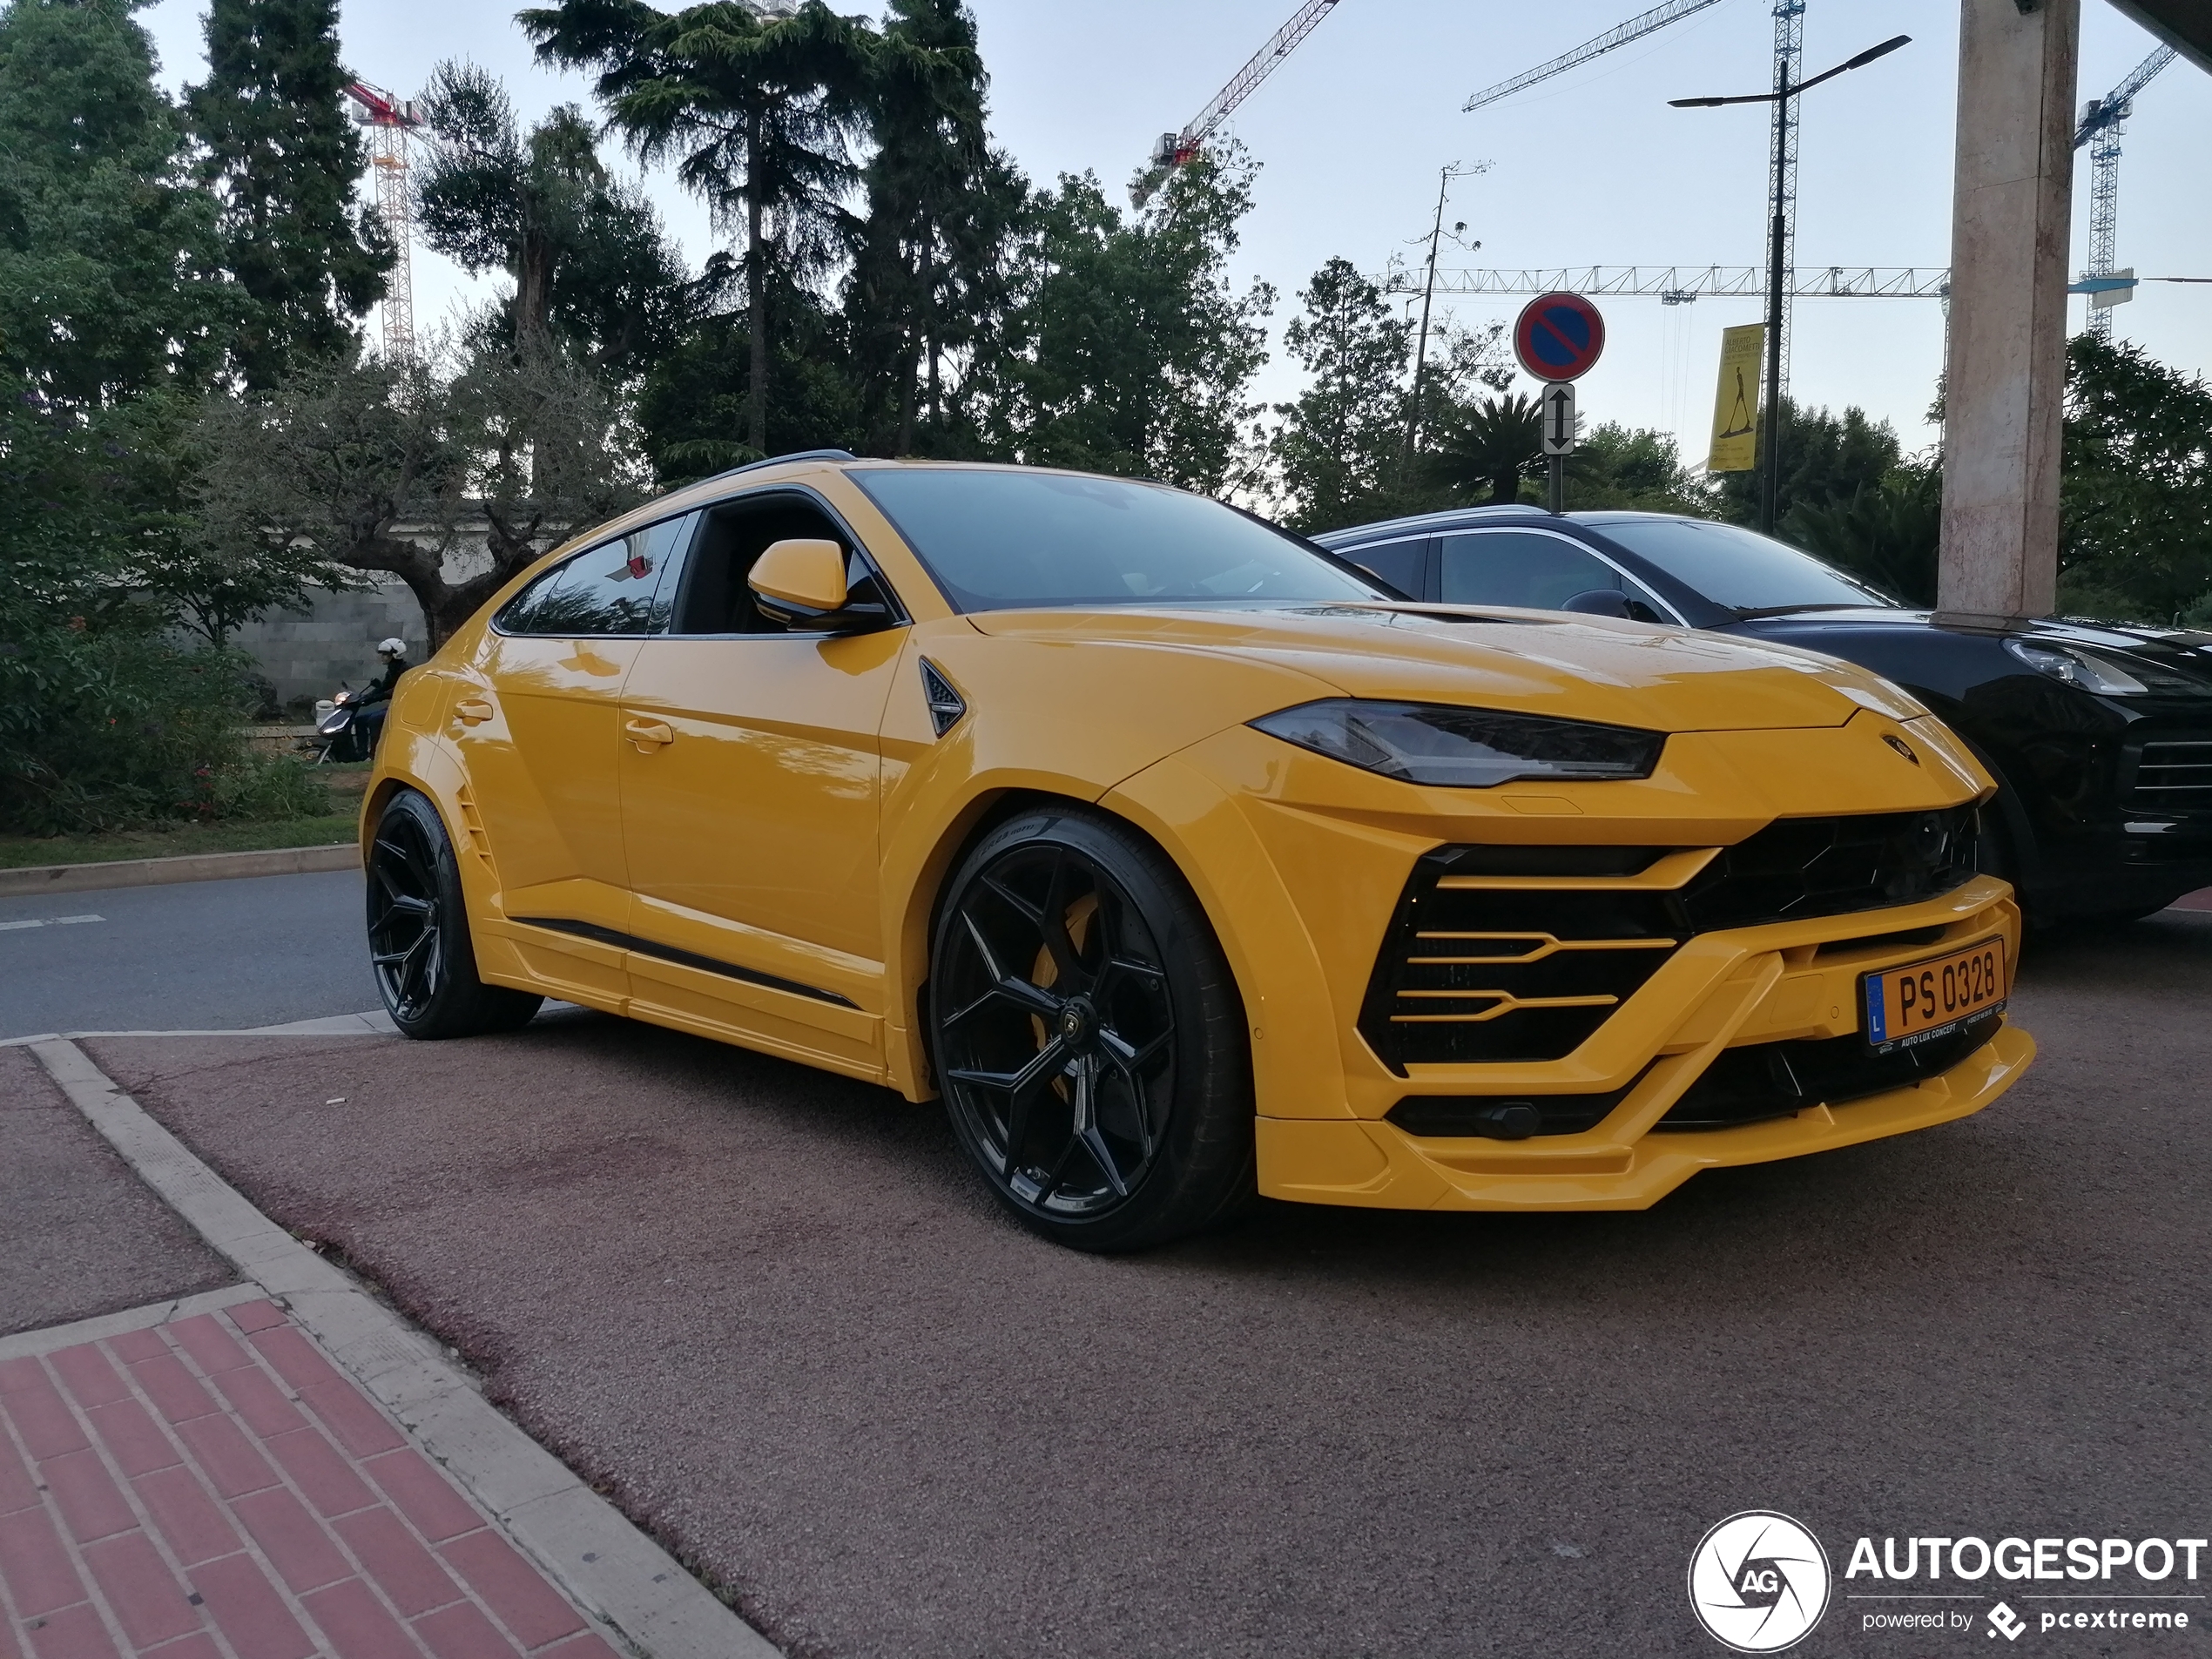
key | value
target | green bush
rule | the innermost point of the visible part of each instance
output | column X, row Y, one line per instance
column 102, row 727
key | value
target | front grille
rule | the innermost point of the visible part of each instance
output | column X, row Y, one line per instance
column 1765, row 1080
column 1472, row 973
column 2174, row 776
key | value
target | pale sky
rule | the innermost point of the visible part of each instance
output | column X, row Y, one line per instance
column 1590, row 168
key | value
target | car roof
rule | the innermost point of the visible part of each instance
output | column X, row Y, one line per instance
column 1460, row 517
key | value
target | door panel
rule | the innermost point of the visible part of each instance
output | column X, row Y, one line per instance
column 750, row 776
column 536, row 734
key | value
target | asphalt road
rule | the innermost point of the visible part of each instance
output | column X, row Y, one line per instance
column 212, row 955
column 772, row 1314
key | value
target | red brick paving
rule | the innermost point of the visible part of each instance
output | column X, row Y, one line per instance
column 214, row 1488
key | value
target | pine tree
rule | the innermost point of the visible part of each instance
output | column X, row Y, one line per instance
column 586, row 252
column 1339, row 441
column 281, row 159
column 927, row 258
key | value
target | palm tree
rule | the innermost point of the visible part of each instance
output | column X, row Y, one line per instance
column 1493, row 443
column 757, row 113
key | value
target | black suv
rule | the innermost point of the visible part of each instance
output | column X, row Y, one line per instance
column 2099, row 734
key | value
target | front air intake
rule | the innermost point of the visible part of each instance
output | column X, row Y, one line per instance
column 1500, row 953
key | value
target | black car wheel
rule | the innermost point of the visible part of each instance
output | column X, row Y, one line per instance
column 1088, row 1036
column 418, row 932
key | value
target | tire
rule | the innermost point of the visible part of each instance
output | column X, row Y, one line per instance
column 418, row 932
column 1088, row 1036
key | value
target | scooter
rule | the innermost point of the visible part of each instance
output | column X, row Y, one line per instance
column 339, row 729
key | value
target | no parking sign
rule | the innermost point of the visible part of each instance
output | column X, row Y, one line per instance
column 1559, row 336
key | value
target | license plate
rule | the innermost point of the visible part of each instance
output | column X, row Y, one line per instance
column 1934, row 998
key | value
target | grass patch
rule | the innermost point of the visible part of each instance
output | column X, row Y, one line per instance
column 178, row 840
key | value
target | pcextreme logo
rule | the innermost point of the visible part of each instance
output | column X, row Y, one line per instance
column 1758, row 1581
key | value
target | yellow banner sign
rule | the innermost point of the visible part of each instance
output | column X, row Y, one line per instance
column 1735, row 403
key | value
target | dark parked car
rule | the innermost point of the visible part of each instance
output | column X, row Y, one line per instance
column 2100, row 734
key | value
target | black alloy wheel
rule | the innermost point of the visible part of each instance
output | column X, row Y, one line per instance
column 419, row 947
column 1088, row 1037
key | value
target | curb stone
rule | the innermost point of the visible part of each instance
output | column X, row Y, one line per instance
column 194, row 866
column 611, row 1570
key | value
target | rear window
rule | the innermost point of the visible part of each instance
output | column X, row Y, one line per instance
column 1002, row 540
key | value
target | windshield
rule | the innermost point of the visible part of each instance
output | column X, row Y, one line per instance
column 998, row 540
column 1737, row 567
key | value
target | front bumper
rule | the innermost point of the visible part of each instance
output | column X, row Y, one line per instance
column 1788, row 982
column 1302, row 863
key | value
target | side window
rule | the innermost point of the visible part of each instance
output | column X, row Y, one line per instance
column 615, row 588
column 1528, row 568
column 714, row 599
column 1402, row 564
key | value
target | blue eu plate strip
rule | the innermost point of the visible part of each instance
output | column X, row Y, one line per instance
column 1877, row 1022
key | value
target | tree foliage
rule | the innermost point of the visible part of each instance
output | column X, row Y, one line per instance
column 1825, row 458
column 1338, row 447
column 2136, row 496
column 757, row 113
column 1128, row 348
column 383, row 469
column 927, row 272
column 281, row 160
column 585, row 250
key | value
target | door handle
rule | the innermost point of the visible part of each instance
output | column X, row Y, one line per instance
column 648, row 735
column 472, row 710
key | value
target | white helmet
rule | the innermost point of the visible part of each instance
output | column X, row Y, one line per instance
column 392, row 648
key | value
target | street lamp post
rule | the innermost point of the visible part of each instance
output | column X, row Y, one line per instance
column 1770, row 413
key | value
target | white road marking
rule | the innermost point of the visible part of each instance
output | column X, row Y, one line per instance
column 50, row 922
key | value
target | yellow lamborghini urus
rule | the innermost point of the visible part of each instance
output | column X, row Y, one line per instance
column 1184, row 861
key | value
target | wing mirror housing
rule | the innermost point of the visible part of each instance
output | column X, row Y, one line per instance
column 1611, row 601
column 1599, row 602
column 800, row 581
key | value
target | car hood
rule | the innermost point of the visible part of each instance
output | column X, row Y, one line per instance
column 1622, row 673
column 2187, row 651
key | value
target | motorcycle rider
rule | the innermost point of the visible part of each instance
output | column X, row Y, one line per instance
column 374, row 704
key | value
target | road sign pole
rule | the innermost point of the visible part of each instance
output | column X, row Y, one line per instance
column 1559, row 483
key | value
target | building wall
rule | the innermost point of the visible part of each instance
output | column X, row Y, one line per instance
column 307, row 653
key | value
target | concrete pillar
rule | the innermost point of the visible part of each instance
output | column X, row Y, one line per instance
column 2011, row 218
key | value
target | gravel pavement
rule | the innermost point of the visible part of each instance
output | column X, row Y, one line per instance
column 773, row 1315
column 80, row 1235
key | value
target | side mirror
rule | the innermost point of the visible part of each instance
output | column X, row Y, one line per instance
column 800, row 581
column 1600, row 602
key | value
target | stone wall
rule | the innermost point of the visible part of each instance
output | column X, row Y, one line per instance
column 307, row 653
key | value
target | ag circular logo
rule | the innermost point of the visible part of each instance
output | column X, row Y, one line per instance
column 1758, row 1581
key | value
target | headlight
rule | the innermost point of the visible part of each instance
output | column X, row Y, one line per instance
column 2096, row 672
column 1431, row 743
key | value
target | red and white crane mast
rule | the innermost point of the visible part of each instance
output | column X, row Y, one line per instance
column 389, row 120
column 1177, row 149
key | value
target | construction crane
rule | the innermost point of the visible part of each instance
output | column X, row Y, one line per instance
column 389, row 120
column 1782, row 164
column 1681, row 285
column 1635, row 29
column 1177, row 149
column 2101, row 118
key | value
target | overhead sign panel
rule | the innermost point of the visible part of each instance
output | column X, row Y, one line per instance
column 1559, row 336
column 1736, row 402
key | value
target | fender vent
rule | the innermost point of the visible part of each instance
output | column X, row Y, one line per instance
column 945, row 704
